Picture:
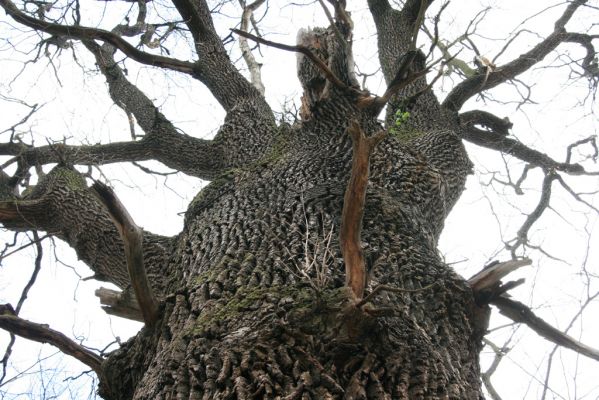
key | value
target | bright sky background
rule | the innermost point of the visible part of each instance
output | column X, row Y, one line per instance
column 77, row 107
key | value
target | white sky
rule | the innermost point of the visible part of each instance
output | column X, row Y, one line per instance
column 78, row 107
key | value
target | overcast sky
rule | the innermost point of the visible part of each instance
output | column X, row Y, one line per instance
column 77, row 107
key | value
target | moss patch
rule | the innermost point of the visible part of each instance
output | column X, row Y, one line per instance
column 297, row 303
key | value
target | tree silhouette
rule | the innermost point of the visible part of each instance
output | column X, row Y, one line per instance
column 309, row 266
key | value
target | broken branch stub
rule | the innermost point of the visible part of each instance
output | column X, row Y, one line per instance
column 353, row 208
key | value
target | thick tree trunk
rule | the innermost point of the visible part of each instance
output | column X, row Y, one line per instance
column 252, row 293
column 249, row 316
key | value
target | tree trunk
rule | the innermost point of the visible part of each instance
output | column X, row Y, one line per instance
column 259, row 308
column 252, row 291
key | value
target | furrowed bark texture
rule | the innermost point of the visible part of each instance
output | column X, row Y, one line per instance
column 245, row 310
column 244, row 323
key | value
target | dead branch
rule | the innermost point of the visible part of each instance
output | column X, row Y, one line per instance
column 250, row 60
column 519, row 312
column 43, row 334
column 492, row 274
column 132, row 239
column 119, row 304
column 353, row 208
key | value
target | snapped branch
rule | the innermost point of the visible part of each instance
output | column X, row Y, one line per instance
column 119, row 304
column 353, row 208
column 132, row 237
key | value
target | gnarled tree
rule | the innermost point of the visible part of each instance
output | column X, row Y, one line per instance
column 308, row 267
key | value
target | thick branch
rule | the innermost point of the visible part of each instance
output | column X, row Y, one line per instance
column 518, row 312
column 192, row 156
column 214, row 66
column 498, row 141
column 43, row 334
column 85, row 33
column 132, row 236
column 62, row 205
column 489, row 79
column 353, row 209
column 589, row 62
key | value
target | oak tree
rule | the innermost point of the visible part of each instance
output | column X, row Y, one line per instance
column 309, row 267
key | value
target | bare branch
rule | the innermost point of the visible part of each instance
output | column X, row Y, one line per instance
column 592, row 140
column 217, row 71
column 494, row 137
column 518, row 312
column 250, row 60
column 482, row 81
column 132, row 239
column 43, row 334
column 85, row 33
column 192, row 156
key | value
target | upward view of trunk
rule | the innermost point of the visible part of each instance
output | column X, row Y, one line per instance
column 246, row 319
column 252, row 294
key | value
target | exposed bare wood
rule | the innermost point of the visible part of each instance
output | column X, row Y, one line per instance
column 253, row 66
column 119, row 304
column 519, row 312
column 353, row 208
column 43, row 334
column 493, row 273
column 132, row 239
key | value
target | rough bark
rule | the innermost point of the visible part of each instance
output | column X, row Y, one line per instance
column 240, row 315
